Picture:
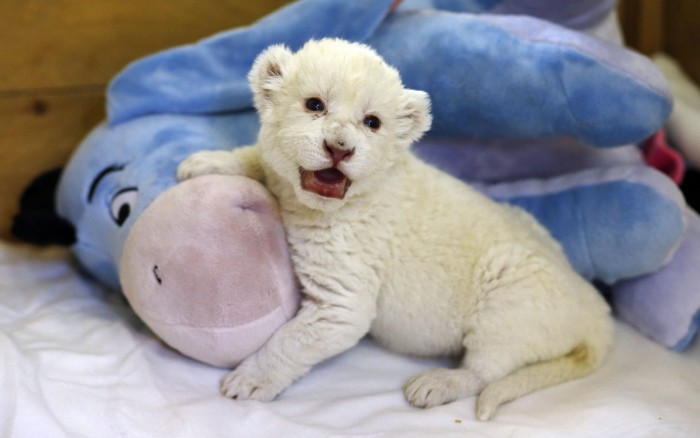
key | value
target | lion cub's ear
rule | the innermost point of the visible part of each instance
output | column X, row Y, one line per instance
column 415, row 118
column 266, row 75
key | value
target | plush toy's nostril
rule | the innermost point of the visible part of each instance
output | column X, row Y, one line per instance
column 156, row 274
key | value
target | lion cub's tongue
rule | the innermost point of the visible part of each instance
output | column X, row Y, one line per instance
column 330, row 183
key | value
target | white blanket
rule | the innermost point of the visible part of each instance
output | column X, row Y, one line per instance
column 74, row 361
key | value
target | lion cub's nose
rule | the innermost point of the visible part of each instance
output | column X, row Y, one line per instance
column 336, row 153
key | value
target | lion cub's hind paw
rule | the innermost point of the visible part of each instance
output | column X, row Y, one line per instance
column 440, row 386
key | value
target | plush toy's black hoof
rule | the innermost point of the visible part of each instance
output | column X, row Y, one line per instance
column 37, row 221
column 690, row 186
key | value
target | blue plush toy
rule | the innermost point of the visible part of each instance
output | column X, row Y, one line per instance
column 532, row 112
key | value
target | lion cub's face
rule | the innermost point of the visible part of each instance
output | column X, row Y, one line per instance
column 335, row 117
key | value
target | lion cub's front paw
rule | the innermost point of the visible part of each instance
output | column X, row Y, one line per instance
column 207, row 163
column 249, row 383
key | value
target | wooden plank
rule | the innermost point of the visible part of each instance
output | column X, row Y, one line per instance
column 56, row 58
column 683, row 35
column 68, row 43
column 643, row 24
column 39, row 134
column 671, row 26
column 651, row 36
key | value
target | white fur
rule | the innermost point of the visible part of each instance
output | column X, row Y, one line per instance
column 420, row 260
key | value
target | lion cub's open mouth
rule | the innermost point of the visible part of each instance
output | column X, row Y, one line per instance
column 329, row 183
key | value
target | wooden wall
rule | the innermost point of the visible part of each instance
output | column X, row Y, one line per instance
column 671, row 26
column 57, row 56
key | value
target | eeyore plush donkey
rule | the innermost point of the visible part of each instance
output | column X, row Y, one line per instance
column 536, row 103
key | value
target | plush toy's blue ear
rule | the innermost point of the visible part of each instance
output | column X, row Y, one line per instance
column 492, row 76
column 209, row 77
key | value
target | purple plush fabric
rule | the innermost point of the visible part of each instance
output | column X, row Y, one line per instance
column 650, row 302
column 575, row 14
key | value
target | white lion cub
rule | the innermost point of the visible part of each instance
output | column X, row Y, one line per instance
column 383, row 243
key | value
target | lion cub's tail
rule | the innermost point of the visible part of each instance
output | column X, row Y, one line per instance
column 582, row 360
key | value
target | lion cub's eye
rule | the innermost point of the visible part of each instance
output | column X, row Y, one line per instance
column 315, row 104
column 372, row 122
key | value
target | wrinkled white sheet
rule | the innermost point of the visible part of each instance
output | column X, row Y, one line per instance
column 75, row 362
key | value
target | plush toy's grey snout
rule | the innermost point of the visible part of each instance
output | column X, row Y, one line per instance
column 189, row 262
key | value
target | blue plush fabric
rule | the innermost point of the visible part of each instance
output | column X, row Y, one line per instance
column 586, row 219
column 529, row 111
column 210, row 77
column 543, row 80
column 518, row 78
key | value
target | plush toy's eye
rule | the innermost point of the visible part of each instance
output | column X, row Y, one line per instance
column 122, row 205
column 315, row 104
column 372, row 122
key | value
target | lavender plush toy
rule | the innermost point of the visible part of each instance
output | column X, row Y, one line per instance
column 536, row 103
